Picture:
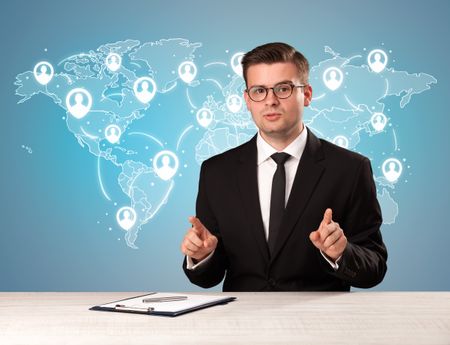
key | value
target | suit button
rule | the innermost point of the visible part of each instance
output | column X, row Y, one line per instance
column 272, row 282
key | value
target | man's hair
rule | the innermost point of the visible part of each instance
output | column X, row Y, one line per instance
column 276, row 52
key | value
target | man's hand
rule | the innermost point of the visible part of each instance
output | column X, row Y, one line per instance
column 329, row 237
column 198, row 242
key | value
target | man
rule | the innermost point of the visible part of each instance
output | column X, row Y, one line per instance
column 285, row 211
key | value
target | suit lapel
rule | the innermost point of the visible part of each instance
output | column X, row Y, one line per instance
column 306, row 178
column 248, row 186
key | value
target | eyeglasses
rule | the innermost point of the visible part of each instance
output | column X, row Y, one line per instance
column 282, row 91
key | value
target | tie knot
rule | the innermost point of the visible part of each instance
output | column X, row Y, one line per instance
column 280, row 157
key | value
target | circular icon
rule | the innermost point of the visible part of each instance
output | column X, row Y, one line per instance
column 234, row 103
column 204, row 117
column 126, row 217
column 236, row 63
column 187, row 71
column 82, row 102
column 341, row 141
column 377, row 60
column 113, row 133
column 144, row 89
column 333, row 78
column 378, row 121
column 113, row 61
column 169, row 164
column 43, row 72
column 392, row 169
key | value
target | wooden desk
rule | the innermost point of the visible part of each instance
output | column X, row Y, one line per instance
column 255, row 318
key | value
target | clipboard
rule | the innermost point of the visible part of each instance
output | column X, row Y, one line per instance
column 187, row 304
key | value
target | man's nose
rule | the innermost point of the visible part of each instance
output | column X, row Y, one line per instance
column 271, row 99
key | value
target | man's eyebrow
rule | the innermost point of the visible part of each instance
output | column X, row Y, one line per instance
column 287, row 81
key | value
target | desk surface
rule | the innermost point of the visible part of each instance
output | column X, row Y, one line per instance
column 255, row 318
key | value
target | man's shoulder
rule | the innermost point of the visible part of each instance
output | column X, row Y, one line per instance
column 232, row 155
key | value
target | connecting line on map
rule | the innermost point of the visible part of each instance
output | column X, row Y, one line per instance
column 215, row 63
column 90, row 136
column 215, row 82
column 395, row 139
column 147, row 136
column 183, row 134
column 352, row 105
column 387, row 88
column 164, row 201
column 189, row 99
column 99, row 175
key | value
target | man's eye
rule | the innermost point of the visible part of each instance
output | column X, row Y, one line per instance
column 258, row 91
column 282, row 88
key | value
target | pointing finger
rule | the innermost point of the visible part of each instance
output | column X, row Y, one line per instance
column 196, row 223
column 327, row 216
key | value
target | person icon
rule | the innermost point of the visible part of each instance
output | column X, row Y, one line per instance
column 165, row 171
column 341, row 141
column 204, row 117
column 126, row 217
column 236, row 63
column 378, row 121
column 332, row 78
column 187, row 71
column 234, row 103
column 43, row 72
column 113, row 133
column 374, row 60
column 113, row 61
column 144, row 89
column 392, row 169
column 82, row 104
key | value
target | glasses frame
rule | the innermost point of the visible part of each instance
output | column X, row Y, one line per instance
column 293, row 86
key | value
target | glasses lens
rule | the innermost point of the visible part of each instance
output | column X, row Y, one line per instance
column 257, row 93
column 283, row 90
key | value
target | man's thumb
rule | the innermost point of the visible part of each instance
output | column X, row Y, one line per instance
column 314, row 236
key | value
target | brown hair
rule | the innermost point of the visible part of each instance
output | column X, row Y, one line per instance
column 276, row 52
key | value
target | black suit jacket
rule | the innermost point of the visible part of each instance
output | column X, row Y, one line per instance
column 327, row 176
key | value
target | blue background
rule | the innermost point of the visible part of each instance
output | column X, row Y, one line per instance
column 51, row 200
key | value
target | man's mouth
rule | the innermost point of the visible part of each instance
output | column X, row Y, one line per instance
column 272, row 116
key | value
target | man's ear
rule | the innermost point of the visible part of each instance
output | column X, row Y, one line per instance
column 247, row 101
column 307, row 92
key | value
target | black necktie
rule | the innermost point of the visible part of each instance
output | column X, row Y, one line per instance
column 277, row 198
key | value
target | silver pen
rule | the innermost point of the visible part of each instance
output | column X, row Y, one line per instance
column 164, row 299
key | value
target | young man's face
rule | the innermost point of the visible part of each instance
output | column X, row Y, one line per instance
column 277, row 118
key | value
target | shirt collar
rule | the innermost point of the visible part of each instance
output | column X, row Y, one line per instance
column 295, row 149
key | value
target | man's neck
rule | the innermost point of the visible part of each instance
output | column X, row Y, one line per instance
column 281, row 142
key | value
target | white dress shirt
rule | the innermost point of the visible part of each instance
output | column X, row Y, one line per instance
column 266, row 170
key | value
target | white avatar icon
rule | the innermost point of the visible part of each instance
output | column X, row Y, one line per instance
column 144, row 89
column 169, row 164
column 113, row 61
column 392, row 169
column 126, row 217
column 204, row 117
column 378, row 121
column 236, row 63
column 82, row 104
column 333, row 78
column 341, row 141
column 234, row 103
column 187, row 71
column 43, row 72
column 374, row 60
column 113, row 133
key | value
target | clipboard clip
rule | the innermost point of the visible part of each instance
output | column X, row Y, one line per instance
column 121, row 307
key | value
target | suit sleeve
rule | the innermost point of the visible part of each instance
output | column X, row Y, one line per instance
column 363, row 262
column 213, row 271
